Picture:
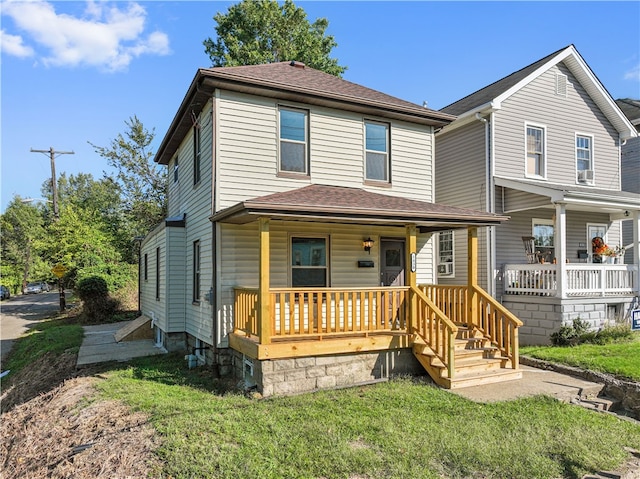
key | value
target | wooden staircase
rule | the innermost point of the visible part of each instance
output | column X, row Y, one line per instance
column 476, row 361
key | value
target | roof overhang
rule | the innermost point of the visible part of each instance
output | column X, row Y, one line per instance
column 429, row 217
column 579, row 198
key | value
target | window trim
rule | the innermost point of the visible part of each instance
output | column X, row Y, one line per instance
column 307, row 156
column 158, row 273
column 197, row 272
column 175, row 169
column 327, row 266
column 591, row 159
column 543, row 167
column 375, row 181
column 146, row 267
column 545, row 222
column 197, row 154
column 453, row 255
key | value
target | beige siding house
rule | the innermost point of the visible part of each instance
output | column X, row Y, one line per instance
column 543, row 146
column 299, row 250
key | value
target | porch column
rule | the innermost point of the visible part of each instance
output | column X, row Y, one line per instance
column 410, row 275
column 636, row 247
column 560, row 243
column 472, row 275
column 264, row 307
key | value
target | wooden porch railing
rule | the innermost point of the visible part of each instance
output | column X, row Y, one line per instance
column 320, row 312
column 580, row 280
column 435, row 329
column 477, row 309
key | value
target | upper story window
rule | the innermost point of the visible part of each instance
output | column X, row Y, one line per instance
column 197, row 151
column 445, row 253
column 377, row 151
column 294, row 141
column 175, row 170
column 535, row 151
column 584, row 158
column 309, row 262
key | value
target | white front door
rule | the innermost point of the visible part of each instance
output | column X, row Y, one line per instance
column 593, row 231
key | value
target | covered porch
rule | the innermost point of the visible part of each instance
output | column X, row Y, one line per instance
column 459, row 334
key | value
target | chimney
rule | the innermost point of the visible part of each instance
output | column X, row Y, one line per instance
column 296, row 64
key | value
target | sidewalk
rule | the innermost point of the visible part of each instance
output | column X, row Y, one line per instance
column 99, row 345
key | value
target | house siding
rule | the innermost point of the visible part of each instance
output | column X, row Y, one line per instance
column 149, row 305
column 336, row 146
column 458, row 151
column 175, row 278
column 537, row 104
column 630, row 182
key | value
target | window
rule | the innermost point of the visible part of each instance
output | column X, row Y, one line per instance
column 175, row 170
column 377, row 151
column 445, row 253
column 309, row 262
column 293, row 141
column 157, row 274
column 196, row 154
column 196, row 271
column 146, row 267
column 584, row 158
column 543, row 233
column 535, row 151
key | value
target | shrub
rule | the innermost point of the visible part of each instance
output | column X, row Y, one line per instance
column 578, row 333
column 570, row 335
column 97, row 305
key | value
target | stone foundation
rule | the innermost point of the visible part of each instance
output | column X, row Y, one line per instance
column 543, row 316
column 280, row 377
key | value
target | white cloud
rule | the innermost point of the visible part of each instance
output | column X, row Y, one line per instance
column 106, row 36
column 633, row 74
column 12, row 45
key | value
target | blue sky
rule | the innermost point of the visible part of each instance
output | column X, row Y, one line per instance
column 74, row 72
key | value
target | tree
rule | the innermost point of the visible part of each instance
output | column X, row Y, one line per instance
column 22, row 228
column 261, row 31
column 142, row 184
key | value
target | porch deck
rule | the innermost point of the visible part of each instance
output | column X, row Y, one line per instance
column 430, row 319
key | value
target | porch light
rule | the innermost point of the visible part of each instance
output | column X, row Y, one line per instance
column 367, row 245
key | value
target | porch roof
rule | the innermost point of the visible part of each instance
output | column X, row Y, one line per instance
column 336, row 204
column 579, row 197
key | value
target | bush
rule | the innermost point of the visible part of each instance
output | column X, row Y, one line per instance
column 578, row 333
column 97, row 305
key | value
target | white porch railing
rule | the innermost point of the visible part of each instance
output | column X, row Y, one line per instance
column 580, row 280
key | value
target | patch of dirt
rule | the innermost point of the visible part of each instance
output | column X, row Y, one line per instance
column 66, row 432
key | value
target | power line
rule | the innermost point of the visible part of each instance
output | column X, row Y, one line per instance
column 54, row 187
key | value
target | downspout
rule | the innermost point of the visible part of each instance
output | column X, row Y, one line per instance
column 488, row 199
column 214, row 247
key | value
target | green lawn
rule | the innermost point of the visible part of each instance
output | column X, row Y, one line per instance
column 399, row 429
column 619, row 358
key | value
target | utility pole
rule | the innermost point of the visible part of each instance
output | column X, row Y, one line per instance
column 54, row 187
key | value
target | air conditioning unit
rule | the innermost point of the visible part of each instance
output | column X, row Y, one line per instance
column 585, row 176
column 445, row 269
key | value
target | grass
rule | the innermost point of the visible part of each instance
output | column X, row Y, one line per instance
column 398, row 429
column 617, row 358
column 51, row 336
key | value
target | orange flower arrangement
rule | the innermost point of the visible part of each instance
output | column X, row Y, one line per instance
column 598, row 246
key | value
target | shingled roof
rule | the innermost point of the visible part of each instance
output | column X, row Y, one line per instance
column 291, row 81
column 355, row 205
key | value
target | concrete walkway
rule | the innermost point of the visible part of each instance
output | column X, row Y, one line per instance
column 99, row 345
column 534, row 382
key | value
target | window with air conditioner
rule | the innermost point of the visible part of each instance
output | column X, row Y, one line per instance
column 584, row 159
column 445, row 253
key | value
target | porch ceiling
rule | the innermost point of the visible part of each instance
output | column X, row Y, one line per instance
column 584, row 198
column 321, row 203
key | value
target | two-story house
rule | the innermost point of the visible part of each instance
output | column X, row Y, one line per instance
column 298, row 252
column 543, row 146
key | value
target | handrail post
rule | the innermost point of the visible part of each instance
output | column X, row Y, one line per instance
column 264, row 299
column 472, row 275
column 410, row 276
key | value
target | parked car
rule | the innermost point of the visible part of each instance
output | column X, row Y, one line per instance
column 4, row 293
column 34, row 288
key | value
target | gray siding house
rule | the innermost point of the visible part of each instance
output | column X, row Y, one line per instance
column 543, row 146
column 299, row 249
